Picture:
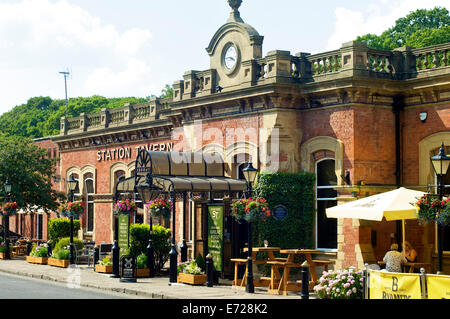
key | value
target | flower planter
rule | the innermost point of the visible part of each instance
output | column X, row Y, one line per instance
column 63, row 263
column 3, row 255
column 37, row 260
column 191, row 279
column 104, row 269
column 142, row 272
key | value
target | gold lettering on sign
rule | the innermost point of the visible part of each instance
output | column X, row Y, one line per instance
column 126, row 152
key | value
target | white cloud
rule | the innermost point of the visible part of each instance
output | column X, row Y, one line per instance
column 377, row 17
column 108, row 82
column 42, row 37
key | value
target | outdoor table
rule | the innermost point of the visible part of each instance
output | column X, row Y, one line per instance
column 282, row 286
column 20, row 250
column 261, row 282
column 412, row 266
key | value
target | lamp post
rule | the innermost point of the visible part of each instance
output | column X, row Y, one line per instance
column 8, row 188
column 440, row 165
column 250, row 175
column 148, row 192
column 72, row 184
column 173, row 254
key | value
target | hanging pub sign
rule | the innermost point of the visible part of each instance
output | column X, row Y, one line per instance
column 128, row 266
column 280, row 212
column 215, row 234
column 124, row 231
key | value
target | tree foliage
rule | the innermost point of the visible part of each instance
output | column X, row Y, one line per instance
column 30, row 171
column 418, row 29
column 41, row 116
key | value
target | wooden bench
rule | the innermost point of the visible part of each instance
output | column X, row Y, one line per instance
column 262, row 282
column 281, row 286
column 323, row 263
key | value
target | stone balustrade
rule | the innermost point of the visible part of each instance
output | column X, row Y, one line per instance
column 352, row 59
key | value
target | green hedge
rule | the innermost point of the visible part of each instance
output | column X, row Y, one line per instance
column 60, row 227
column 139, row 237
column 296, row 192
column 65, row 242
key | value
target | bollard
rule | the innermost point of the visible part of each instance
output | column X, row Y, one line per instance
column 49, row 248
column 115, row 260
column 183, row 251
column 29, row 247
column 96, row 255
column 364, row 277
column 305, row 280
column 209, row 271
column 151, row 259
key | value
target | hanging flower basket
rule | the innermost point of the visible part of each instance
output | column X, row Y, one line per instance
column 124, row 207
column 432, row 209
column 251, row 209
column 10, row 208
column 72, row 209
column 443, row 216
column 160, row 207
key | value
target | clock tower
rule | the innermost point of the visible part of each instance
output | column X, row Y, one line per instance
column 231, row 46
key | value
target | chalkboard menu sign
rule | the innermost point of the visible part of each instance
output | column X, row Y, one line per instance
column 215, row 234
column 128, row 266
column 280, row 212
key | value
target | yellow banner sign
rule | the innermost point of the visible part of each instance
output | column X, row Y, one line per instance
column 438, row 287
column 389, row 285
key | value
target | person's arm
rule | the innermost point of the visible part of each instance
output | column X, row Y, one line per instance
column 412, row 255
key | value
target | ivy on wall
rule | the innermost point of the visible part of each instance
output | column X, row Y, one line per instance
column 296, row 192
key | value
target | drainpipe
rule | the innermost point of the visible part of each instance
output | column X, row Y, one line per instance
column 397, row 106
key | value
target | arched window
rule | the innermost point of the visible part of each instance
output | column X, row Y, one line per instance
column 326, row 228
column 89, row 191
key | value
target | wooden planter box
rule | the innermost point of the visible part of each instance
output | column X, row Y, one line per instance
column 3, row 255
column 191, row 279
column 63, row 263
column 142, row 272
column 37, row 260
column 104, row 269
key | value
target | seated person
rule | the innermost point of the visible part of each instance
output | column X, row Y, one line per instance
column 410, row 252
column 394, row 259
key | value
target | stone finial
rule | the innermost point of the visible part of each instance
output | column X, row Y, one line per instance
column 235, row 15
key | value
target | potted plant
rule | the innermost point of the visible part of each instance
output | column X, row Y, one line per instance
column 10, row 208
column 340, row 284
column 3, row 251
column 104, row 266
column 59, row 258
column 160, row 207
column 38, row 255
column 250, row 209
column 191, row 273
column 141, row 266
column 443, row 216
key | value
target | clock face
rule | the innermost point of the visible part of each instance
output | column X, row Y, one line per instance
column 230, row 57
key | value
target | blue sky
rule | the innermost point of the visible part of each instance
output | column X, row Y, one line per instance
column 118, row 48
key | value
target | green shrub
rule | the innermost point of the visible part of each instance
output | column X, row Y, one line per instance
column 141, row 261
column 65, row 242
column 61, row 254
column 200, row 262
column 105, row 261
column 139, row 237
column 60, row 227
column 39, row 251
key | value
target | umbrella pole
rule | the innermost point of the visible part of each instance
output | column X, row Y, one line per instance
column 403, row 232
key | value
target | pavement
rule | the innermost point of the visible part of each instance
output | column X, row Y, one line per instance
column 151, row 288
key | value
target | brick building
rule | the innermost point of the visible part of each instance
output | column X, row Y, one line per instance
column 364, row 120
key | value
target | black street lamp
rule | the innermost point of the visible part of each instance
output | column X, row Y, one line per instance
column 173, row 254
column 440, row 165
column 8, row 188
column 250, row 174
column 149, row 192
column 72, row 184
